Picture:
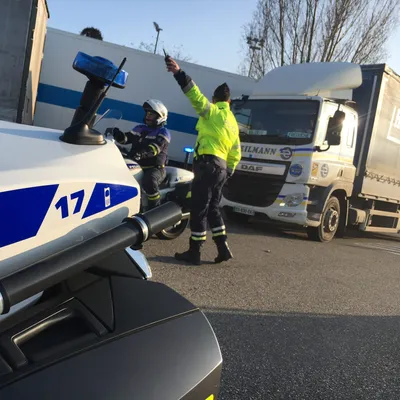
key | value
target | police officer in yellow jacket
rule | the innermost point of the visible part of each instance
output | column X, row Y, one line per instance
column 217, row 153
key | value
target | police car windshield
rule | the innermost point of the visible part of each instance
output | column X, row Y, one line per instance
column 276, row 121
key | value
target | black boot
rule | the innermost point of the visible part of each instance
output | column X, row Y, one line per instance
column 224, row 253
column 152, row 204
column 191, row 256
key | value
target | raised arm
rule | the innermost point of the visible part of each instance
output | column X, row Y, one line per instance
column 203, row 107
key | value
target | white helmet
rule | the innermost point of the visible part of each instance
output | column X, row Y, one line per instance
column 159, row 108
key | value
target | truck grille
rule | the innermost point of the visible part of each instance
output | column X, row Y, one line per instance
column 253, row 189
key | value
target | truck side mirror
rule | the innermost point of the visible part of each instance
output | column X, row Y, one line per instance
column 335, row 126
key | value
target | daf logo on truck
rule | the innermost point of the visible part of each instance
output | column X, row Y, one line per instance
column 253, row 168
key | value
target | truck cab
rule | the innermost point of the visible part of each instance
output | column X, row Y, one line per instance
column 298, row 132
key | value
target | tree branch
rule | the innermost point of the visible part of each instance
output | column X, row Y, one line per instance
column 297, row 31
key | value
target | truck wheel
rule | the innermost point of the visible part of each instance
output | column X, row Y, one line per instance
column 329, row 222
column 236, row 217
column 173, row 231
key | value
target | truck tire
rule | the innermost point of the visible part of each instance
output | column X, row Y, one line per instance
column 329, row 222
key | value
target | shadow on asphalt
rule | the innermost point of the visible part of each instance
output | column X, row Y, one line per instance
column 172, row 260
column 307, row 356
column 298, row 233
column 257, row 227
column 162, row 259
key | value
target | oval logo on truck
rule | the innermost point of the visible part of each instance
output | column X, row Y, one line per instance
column 324, row 170
column 296, row 170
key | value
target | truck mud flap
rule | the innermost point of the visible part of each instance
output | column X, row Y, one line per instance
column 320, row 195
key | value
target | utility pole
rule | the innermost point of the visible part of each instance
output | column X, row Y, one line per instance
column 254, row 44
column 158, row 29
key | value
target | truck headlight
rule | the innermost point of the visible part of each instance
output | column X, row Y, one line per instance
column 293, row 200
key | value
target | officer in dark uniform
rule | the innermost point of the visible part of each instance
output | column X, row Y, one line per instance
column 149, row 147
column 217, row 153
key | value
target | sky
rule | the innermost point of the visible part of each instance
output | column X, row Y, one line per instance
column 209, row 31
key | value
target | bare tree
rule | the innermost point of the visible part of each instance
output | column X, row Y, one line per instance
column 92, row 33
column 177, row 51
column 299, row 31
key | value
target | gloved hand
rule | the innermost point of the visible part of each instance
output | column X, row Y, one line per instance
column 109, row 131
column 119, row 136
column 229, row 174
column 136, row 156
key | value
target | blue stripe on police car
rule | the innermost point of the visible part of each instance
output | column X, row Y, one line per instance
column 22, row 211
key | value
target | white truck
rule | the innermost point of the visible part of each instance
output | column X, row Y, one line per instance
column 60, row 87
column 320, row 149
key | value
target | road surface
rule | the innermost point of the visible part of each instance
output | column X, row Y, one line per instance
column 297, row 319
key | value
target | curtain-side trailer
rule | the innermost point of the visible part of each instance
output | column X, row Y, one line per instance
column 320, row 149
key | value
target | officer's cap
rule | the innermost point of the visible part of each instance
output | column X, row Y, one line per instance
column 222, row 92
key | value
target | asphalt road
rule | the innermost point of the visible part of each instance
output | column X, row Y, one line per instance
column 297, row 319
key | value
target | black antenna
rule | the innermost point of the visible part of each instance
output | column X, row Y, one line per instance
column 81, row 132
column 90, row 114
column 166, row 55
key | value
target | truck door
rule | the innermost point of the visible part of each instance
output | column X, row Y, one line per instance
column 347, row 147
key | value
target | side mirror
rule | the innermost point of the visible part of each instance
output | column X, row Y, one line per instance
column 335, row 126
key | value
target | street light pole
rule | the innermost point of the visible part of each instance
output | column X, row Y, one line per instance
column 158, row 29
column 252, row 42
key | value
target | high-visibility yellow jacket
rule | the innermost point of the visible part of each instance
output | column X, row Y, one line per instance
column 217, row 127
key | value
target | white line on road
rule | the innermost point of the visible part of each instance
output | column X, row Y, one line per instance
column 392, row 249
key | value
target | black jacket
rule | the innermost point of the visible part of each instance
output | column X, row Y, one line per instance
column 151, row 144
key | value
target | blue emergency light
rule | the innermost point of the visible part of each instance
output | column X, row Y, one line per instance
column 100, row 69
column 188, row 151
column 102, row 74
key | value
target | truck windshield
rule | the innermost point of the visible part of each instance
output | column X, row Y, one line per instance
column 276, row 121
